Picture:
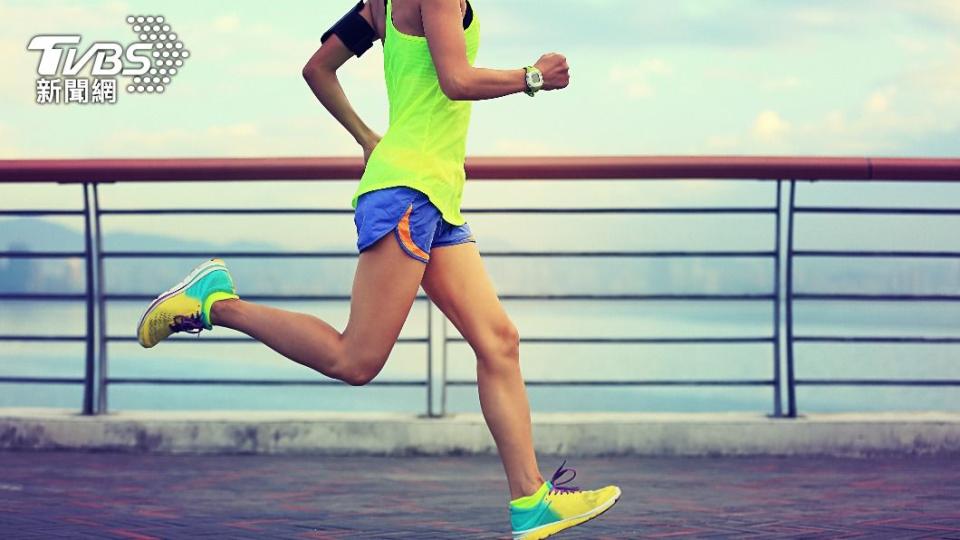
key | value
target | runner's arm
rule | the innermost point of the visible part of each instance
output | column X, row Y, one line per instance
column 443, row 26
column 320, row 72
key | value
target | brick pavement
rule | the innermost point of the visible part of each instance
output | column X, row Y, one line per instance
column 128, row 496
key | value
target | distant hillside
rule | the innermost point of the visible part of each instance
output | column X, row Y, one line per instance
column 139, row 275
column 334, row 276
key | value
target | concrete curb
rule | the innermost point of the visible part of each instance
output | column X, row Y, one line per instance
column 663, row 434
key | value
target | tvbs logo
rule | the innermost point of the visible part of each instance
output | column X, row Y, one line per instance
column 107, row 57
column 150, row 63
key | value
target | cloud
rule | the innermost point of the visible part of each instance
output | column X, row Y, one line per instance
column 769, row 126
column 939, row 82
column 718, row 76
column 637, row 79
column 879, row 101
column 783, row 83
column 217, row 139
column 226, row 24
column 22, row 18
column 817, row 16
column 722, row 144
column 939, row 13
column 278, row 137
column 730, row 24
column 20, row 72
column 835, row 122
column 233, row 130
column 269, row 51
column 522, row 147
column 913, row 44
column 8, row 149
column 885, row 126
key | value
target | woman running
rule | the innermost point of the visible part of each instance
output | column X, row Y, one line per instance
column 410, row 235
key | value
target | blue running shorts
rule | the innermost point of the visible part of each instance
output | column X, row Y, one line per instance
column 411, row 217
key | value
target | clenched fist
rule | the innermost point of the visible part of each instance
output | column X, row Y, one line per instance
column 556, row 72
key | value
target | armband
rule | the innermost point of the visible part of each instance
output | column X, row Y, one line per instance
column 353, row 30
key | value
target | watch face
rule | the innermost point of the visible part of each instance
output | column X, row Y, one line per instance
column 537, row 79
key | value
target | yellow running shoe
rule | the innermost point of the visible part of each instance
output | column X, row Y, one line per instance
column 555, row 507
column 186, row 306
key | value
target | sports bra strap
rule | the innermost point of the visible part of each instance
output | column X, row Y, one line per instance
column 467, row 18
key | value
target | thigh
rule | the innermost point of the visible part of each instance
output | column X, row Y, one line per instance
column 458, row 283
column 384, row 289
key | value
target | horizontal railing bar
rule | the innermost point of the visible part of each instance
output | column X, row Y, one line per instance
column 425, row 340
column 35, row 338
column 41, row 380
column 626, row 210
column 250, row 382
column 505, row 254
column 238, row 254
column 876, row 339
column 770, row 168
column 626, row 254
column 874, row 210
column 630, row 383
column 524, row 210
column 879, row 297
column 42, row 296
column 36, row 213
column 843, row 253
column 254, row 297
column 544, row 297
column 878, row 382
column 549, row 340
column 224, row 211
column 577, row 297
column 197, row 340
column 42, row 254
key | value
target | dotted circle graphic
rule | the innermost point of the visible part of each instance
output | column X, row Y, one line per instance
column 165, row 52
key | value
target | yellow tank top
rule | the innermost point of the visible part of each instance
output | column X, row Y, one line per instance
column 425, row 146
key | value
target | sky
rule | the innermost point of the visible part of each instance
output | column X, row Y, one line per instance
column 691, row 77
column 649, row 77
column 687, row 77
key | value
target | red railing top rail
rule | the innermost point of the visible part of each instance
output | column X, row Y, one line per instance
column 488, row 168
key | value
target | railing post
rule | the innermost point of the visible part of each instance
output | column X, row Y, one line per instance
column 791, row 386
column 88, row 254
column 101, row 381
column 436, row 362
column 429, row 358
column 777, row 408
column 445, row 345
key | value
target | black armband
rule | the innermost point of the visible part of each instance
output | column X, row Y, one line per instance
column 353, row 30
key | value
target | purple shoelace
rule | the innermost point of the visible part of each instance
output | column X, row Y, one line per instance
column 559, row 483
column 191, row 325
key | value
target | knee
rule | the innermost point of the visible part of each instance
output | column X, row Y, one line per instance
column 509, row 338
column 358, row 377
column 503, row 345
column 360, row 370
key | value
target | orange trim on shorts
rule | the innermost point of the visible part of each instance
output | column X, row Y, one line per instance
column 403, row 228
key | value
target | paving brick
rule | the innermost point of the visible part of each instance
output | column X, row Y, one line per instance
column 130, row 496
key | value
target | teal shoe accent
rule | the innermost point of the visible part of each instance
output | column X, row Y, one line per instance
column 217, row 280
column 532, row 511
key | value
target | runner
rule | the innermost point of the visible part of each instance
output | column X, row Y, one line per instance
column 410, row 234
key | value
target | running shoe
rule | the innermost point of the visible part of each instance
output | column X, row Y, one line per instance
column 186, row 306
column 556, row 506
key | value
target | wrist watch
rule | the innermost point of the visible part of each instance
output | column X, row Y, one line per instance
column 534, row 80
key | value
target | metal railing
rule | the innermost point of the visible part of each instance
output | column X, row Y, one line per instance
column 90, row 173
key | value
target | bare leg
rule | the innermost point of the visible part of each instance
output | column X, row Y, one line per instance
column 458, row 283
column 384, row 288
